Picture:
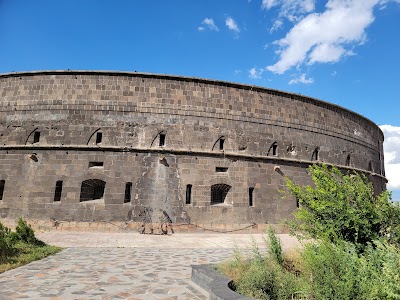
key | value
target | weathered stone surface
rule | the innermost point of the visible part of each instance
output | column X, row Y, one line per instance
column 163, row 133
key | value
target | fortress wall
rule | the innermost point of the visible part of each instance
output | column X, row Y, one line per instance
column 132, row 111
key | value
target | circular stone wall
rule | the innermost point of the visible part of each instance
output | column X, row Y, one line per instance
column 113, row 146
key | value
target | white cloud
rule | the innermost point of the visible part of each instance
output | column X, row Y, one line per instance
column 391, row 147
column 232, row 24
column 255, row 73
column 324, row 37
column 278, row 24
column 302, row 79
column 292, row 10
column 208, row 23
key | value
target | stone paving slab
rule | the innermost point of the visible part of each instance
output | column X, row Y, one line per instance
column 131, row 266
column 110, row 273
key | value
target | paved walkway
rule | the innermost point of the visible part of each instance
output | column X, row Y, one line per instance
column 122, row 265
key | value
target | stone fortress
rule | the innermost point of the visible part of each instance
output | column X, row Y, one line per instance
column 103, row 146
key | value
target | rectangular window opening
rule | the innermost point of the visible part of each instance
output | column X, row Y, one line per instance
column 128, row 192
column 162, row 139
column 2, row 182
column 221, row 169
column 36, row 137
column 96, row 164
column 251, row 191
column 99, row 137
column 189, row 194
column 58, row 191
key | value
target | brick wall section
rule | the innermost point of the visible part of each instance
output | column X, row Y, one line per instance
column 130, row 110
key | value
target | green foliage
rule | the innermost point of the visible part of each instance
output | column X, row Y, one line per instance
column 343, row 207
column 275, row 248
column 21, row 246
column 5, row 248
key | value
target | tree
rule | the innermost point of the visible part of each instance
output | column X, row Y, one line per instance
column 344, row 207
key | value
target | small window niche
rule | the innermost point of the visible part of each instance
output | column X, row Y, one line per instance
column 128, row 192
column 58, row 191
column 370, row 167
column 96, row 164
column 315, row 155
column 273, row 149
column 221, row 143
column 2, row 183
column 348, row 160
column 221, row 169
column 189, row 194
column 36, row 137
column 99, row 137
column 251, row 196
column 162, row 139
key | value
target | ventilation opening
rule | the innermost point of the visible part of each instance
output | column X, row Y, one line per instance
column 315, row 156
column 189, row 194
column 221, row 143
column 162, row 139
column 92, row 189
column 251, row 191
column 273, row 150
column 370, row 167
column 58, row 191
column 96, row 164
column 99, row 137
column 128, row 192
column 348, row 160
column 221, row 169
column 2, row 182
column 36, row 137
column 219, row 192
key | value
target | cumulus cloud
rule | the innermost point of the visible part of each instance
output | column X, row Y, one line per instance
column 232, row 24
column 208, row 23
column 302, row 79
column 324, row 37
column 255, row 73
column 391, row 147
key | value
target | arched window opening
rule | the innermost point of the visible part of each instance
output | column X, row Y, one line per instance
column 58, row 190
column 273, row 149
column 162, row 139
column 99, row 137
column 92, row 189
column 36, row 137
column 2, row 183
column 370, row 168
column 221, row 143
column 128, row 192
column 188, row 194
column 315, row 155
column 348, row 160
column 251, row 192
column 219, row 192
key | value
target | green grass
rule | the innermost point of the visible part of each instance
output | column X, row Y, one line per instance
column 25, row 253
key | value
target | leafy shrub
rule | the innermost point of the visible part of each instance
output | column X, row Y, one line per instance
column 5, row 248
column 25, row 233
column 344, row 207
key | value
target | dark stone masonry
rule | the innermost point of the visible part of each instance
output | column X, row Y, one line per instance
column 118, row 146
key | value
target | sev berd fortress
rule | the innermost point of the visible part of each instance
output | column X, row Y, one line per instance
column 100, row 146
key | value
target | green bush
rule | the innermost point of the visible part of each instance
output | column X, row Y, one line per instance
column 344, row 207
column 5, row 249
column 25, row 233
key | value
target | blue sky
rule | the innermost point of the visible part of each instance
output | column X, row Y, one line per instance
column 341, row 51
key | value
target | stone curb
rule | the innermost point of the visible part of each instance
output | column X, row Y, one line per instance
column 214, row 283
